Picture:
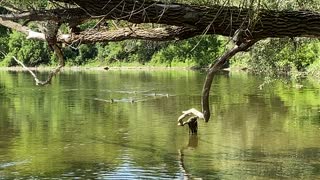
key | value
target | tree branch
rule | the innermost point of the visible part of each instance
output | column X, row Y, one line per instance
column 69, row 15
column 93, row 35
column 39, row 36
column 14, row 25
column 223, row 20
column 155, row 34
column 220, row 20
column 39, row 82
column 215, row 67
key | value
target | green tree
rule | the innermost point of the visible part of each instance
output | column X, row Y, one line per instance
column 31, row 52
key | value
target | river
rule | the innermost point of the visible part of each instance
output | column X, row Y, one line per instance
column 123, row 125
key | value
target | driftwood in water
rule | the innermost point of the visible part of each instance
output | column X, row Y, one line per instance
column 193, row 125
column 192, row 121
column 52, row 73
column 36, row 79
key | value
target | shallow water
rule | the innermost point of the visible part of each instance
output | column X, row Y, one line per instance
column 123, row 125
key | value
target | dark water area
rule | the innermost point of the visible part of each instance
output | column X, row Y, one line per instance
column 71, row 130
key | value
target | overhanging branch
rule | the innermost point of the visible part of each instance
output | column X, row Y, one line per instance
column 155, row 34
column 215, row 67
column 219, row 20
column 14, row 26
column 93, row 35
column 222, row 20
column 69, row 15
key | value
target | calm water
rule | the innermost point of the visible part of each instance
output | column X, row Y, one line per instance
column 70, row 130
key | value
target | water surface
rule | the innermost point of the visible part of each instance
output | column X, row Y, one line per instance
column 71, row 129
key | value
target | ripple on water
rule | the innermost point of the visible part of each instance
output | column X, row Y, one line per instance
column 10, row 164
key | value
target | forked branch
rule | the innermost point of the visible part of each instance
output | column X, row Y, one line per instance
column 52, row 73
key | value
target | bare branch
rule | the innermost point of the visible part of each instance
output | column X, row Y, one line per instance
column 39, row 36
column 216, row 66
column 39, row 82
column 26, row 68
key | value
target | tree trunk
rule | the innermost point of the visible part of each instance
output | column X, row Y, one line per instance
column 221, row 20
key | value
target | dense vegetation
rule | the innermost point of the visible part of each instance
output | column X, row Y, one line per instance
column 268, row 56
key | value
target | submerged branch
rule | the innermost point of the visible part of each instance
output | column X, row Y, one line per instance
column 26, row 68
column 54, row 72
column 187, row 113
column 192, row 122
column 214, row 67
column 39, row 82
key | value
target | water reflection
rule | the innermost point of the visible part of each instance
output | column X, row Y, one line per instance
column 192, row 144
column 69, row 129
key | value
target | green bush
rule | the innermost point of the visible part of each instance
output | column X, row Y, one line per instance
column 30, row 52
column 87, row 52
column 282, row 56
column 199, row 50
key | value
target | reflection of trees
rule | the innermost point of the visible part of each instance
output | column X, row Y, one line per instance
column 55, row 128
column 251, row 134
column 62, row 128
column 7, row 132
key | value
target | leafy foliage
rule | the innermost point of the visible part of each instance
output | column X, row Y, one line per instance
column 283, row 55
column 268, row 56
column 200, row 51
column 31, row 52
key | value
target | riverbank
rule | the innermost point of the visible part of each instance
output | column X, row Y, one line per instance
column 314, row 73
column 87, row 68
